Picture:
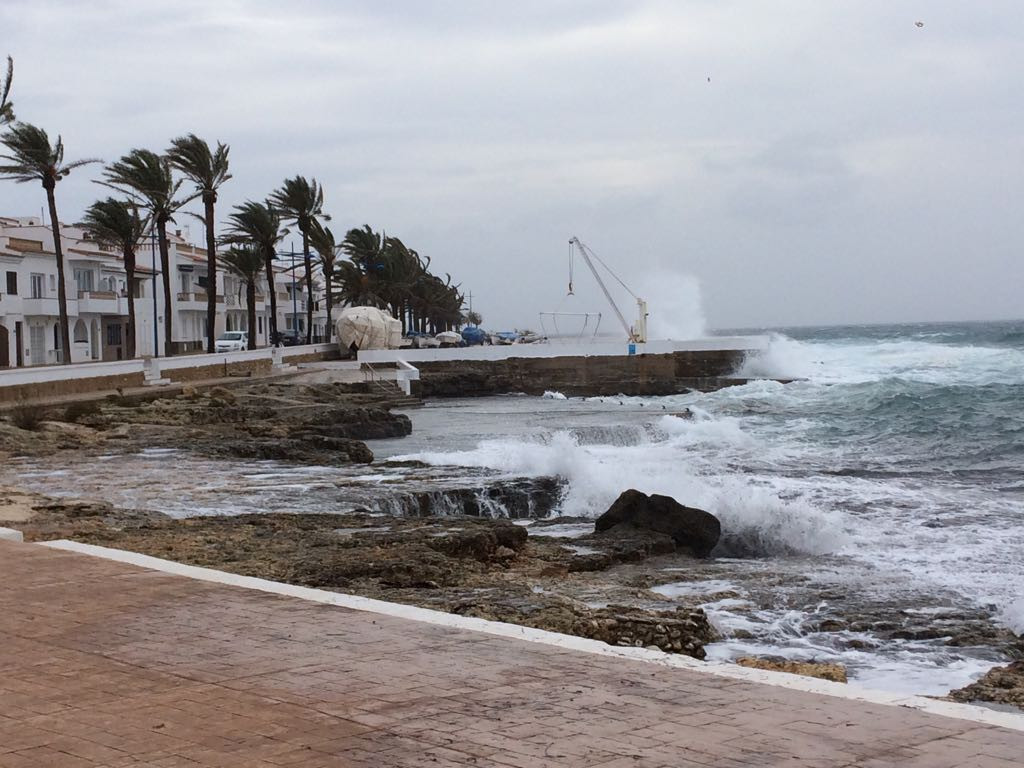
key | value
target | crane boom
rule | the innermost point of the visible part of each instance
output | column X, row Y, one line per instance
column 637, row 335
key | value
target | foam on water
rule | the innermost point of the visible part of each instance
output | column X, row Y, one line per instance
column 889, row 470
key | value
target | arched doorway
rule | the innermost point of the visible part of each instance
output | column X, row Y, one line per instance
column 5, row 347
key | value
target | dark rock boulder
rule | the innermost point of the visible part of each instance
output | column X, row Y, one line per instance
column 690, row 529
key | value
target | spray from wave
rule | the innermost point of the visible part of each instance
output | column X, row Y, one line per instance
column 683, row 462
column 675, row 306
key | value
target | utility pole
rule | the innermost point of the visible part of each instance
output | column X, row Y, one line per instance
column 295, row 301
column 152, row 243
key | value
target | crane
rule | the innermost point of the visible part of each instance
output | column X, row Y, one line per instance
column 637, row 334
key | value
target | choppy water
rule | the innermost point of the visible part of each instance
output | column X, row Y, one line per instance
column 886, row 483
column 890, row 476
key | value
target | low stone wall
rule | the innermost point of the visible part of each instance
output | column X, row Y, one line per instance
column 219, row 370
column 312, row 357
column 43, row 383
column 52, row 389
column 661, row 374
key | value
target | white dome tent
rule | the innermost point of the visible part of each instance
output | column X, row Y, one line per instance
column 367, row 328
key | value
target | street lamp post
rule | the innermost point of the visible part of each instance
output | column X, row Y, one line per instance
column 295, row 301
column 156, row 344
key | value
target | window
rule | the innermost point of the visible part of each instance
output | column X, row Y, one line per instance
column 53, row 283
column 259, row 323
column 81, row 335
column 186, row 282
column 38, row 285
column 201, row 281
column 84, row 279
column 113, row 335
column 12, row 283
column 288, row 322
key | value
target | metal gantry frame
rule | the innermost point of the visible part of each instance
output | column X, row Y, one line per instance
column 638, row 333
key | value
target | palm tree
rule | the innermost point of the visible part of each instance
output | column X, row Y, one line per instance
column 323, row 242
column 259, row 226
column 474, row 318
column 147, row 180
column 302, row 201
column 33, row 158
column 118, row 224
column 247, row 263
column 207, row 170
column 6, row 106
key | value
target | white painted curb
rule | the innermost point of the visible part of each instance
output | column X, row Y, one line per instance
column 566, row 642
column 9, row 534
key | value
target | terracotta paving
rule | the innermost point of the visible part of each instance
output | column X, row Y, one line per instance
column 105, row 664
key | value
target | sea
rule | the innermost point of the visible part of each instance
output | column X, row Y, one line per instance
column 867, row 504
column 882, row 488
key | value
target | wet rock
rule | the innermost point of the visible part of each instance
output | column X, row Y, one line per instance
column 591, row 562
column 355, row 423
column 312, row 449
column 482, row 543
column 690, row 529
column 1002, row 685
column 522, row 498
column 820, row 669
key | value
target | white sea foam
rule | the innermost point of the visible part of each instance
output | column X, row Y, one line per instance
column 756, row 519
column 1012, row 616
column 550, row 395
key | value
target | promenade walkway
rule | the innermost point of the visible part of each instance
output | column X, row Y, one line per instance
column 107, row 664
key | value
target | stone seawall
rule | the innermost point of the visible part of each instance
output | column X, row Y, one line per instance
column 658, row 374
column 65, row 387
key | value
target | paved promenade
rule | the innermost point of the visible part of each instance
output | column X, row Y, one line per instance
column 106, row 664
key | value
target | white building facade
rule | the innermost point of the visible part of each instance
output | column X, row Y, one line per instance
column 97, row 298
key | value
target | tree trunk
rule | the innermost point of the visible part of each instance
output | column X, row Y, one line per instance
column 62, row 294
column 165, row 267
column 309, row 286
column 272, row 290
column 211, row 271
column 129, row 271
column 250, row 301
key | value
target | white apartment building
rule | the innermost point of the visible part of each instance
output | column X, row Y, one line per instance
column 98, row 304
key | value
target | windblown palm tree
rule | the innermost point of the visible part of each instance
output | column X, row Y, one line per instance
column 33, row 158
column 302, row 201
column 322, row 240
column 147, row 180
column 258, row 225
column 118, row 224
column 6, row 106
column 382, row 272
column 247, row 263
column 208, row 171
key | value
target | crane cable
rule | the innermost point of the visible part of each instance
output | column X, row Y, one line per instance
column 609, row 271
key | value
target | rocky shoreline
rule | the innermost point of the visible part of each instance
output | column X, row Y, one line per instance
column 604, row 583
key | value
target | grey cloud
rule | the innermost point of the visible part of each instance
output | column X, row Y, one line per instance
column 841, row 165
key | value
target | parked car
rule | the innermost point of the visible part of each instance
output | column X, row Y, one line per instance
column 289, row 338
column 231, row 341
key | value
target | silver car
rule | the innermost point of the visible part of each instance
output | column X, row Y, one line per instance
column 231, row 341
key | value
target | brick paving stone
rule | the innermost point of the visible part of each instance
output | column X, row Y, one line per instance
column 104, row 664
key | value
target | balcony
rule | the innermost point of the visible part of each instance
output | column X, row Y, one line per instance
column 48, row 307
column 10, row 304
column 101, row 303
column 193, row 301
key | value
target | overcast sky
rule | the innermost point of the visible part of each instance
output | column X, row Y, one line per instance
column 800, row 161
